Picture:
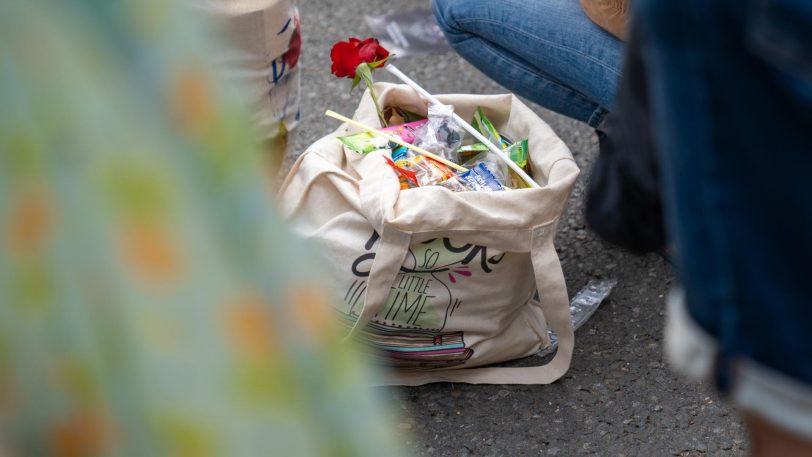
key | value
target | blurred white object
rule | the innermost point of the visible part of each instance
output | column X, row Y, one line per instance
column 409, row 32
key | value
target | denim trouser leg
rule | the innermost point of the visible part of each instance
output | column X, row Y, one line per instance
column 548, row 52
column 731, row 99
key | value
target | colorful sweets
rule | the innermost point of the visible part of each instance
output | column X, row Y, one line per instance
column 486, row 171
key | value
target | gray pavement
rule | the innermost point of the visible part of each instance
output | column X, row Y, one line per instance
column 619, row 398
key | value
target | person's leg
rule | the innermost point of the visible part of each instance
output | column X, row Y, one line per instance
column 548, row 52
column 731, row 107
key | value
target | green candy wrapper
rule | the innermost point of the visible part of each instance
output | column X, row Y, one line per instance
column 484, row 126
column 364, row 142
column 517, row 153
column 467, row 153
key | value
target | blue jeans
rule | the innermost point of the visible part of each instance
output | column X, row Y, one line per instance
column 549, row 52
column 731, row 92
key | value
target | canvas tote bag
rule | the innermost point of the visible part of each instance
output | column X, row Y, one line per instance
column 441, row 282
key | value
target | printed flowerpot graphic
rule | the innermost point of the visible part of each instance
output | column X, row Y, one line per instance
column 408, row 330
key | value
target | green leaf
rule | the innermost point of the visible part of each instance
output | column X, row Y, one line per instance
column 355, row 82
column 380, row 63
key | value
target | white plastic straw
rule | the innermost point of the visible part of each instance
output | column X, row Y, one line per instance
column 470, row 129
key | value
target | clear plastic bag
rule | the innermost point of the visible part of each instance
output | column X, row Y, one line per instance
column 441, row 134
column 494, row 163
column 582, row 306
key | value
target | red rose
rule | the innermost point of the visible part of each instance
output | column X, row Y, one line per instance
column 347, row 55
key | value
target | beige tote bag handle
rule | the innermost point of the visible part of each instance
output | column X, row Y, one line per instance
column 389, row 257
column 378, row 195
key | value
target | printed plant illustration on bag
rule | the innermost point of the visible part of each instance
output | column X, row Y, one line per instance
column 408, row 329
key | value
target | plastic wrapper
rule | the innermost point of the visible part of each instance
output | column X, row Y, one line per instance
column 582, row 306
column 428, row 171
column 407, row 178
column 407, row 33
column 517, row 152
column 493, row 162
column 484, row 126
column 441, row 134
column 479, row 153
column 479, row 178
column 402, row 153
column 406, row 132
column 416, row 170
column 364, row 143
column 467, row 153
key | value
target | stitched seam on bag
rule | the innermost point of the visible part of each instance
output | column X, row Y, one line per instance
column 564, row 158
column 541, row 337
column 528, row 230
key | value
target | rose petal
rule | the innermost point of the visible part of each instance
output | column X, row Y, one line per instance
column 368, row 50
column 345, row 59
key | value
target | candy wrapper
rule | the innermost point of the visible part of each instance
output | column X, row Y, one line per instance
column 476, row 153
column 407, row 178
column 517, row 153
column 441, row 134
column 467, row 153
column 493, row 162
column 406, row 132
column 478, row 178
column 416, row 171
column 364, row 143
column 402, row 153
column 426, row 170
column 484, row 126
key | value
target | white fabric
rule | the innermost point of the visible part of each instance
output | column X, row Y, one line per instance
column 688, row 348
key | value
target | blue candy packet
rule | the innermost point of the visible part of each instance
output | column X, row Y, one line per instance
column 478, row 178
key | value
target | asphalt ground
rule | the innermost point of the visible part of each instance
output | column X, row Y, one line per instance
column 619, row 398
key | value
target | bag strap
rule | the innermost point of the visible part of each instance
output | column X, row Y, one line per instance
column 389, row 257
column 555, row 304
column 378, row 193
